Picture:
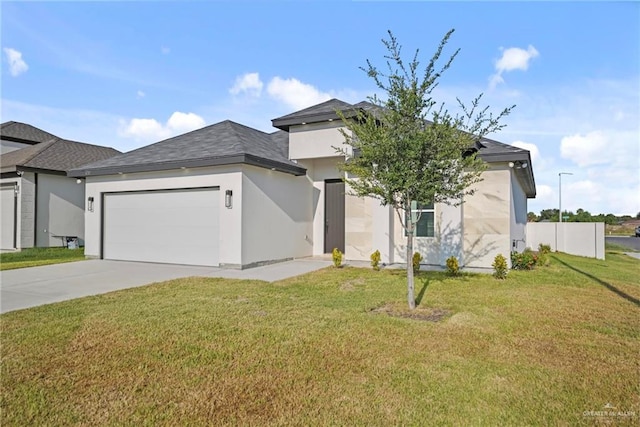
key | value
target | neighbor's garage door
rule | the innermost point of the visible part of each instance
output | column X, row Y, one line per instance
column 8, row 218
column 176, row 226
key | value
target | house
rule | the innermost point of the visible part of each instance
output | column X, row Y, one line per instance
column 40, row 205
column 232, row 196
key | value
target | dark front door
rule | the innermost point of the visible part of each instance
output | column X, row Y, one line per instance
column 333, row 215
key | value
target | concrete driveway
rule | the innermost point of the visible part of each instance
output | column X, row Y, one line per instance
column 30, row 287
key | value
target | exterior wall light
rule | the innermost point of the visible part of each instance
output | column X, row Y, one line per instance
column 228, row 199
column 518, row 165
column 90, row 204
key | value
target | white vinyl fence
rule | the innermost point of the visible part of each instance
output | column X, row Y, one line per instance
column 575, row 238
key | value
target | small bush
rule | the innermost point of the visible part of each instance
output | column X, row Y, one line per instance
column 500, row 267
column 337, row 257
column 544, row 249
column 452, row 266
column 416, row 261
column 526, row 260
column 543, row 255
column 375, row 260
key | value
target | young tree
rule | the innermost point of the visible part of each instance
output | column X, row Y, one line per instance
column 410, row 149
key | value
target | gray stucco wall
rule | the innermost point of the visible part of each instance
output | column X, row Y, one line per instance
column 518, row 215
column 60, row 210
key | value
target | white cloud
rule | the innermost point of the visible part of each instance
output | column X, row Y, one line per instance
column 295, row 94
column 141, row 94
column 184, row 122
column 585, row 150
column 151, row 129
column 619, row 149
column 17, row 65
column 145, row 128
column 513, row 58
column 248, row 83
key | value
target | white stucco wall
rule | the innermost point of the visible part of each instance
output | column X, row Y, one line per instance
column 318, row 170
column 315, row 140
column 382, row 233
column 449, row 232
column 518, row 224
column 9, row 146
column 225, row 177
column 487, row 218
column 60, row 210
column 446, row 242
column 277, row 215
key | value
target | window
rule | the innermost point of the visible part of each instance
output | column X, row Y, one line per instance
column 426, row 224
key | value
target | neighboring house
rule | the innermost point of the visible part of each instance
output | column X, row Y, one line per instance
column 232, row 196
column 40, row 205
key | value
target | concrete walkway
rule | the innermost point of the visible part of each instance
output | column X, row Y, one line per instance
column 30, row 287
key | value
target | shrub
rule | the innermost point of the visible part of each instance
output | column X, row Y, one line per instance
column 526, row 260
column 544, row 249
column 375, row 260
column 500, row 267
column 543, row 254
column 416, row 261
column 452, row 266
column 337, row 257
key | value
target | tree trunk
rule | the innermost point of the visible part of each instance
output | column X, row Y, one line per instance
column 410, row 286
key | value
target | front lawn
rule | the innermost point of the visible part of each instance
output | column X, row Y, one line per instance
column 551, row 346
column 33, row 257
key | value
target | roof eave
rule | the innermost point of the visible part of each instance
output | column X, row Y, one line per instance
column 217, row 161
column 285, row 123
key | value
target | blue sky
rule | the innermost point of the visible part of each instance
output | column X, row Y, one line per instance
column 126, row 74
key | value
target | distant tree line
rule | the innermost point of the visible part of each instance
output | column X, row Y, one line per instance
column 551, row 215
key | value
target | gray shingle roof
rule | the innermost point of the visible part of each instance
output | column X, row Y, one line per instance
column 314, row 114
column 24, row 133
column 226, row 142
column 55, row 155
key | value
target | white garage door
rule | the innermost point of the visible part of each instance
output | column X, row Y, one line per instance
column 175, row 227
column 8, row 217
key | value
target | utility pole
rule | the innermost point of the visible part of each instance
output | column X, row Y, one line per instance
column 560, row 194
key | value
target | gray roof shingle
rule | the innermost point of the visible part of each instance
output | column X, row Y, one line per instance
column 24, row 133
column 314, row 114
column 226, row 142
column 58, row 155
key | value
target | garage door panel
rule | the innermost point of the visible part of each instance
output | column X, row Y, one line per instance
column 178, row 226
column 7, row 204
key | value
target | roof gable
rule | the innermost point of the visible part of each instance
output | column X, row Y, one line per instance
column 24, row 133
column 57, row 155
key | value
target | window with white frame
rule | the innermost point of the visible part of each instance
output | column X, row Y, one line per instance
column 426, row 221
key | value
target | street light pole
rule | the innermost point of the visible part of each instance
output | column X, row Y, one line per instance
column 560, row 194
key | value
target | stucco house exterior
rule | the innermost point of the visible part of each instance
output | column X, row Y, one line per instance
column 40, row 205
column 232, row 196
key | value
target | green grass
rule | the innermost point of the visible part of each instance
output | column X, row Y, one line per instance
column 539, row 348
column 613, row 247
column 33, row 257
